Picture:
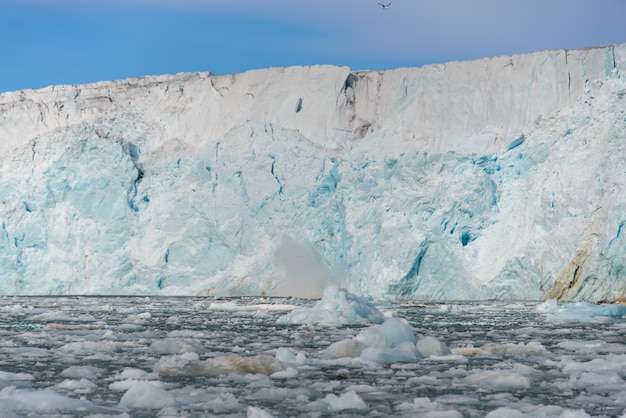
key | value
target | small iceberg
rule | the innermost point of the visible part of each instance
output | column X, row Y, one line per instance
column 337, row 307
column 580, row 312
column 393, row 341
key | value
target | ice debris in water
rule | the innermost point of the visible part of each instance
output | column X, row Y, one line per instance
column 82, row 372
column 337, row 307
column 392, row 341
column 424, row 407
column 189, row 364
column 290, row 356
column 522, row 365
column 518, row 376
column 348, row 400
column 580, row 312
column 430, row 346
column 258, row 413
column 389, row 340
column 13, row 399
column 173, row 346
column 537, row 411
column 148, row 396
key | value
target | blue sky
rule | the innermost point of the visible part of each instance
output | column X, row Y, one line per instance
column 44, row 42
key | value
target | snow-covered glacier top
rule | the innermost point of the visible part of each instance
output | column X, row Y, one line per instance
column 497, row 178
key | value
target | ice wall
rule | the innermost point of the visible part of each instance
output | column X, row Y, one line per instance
column 497, row 178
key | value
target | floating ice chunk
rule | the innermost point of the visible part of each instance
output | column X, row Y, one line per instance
column 449, row 358
column 608, row 363
column 139, row 319
column 291, row 356
column 12, row 377
column 100, row 357
column 225, row 306
column 419, row 403
column 392, row 332
column 337, row 307
column 549, row 306
column 213, row 399
column 570, row 413
column 288, row 373
column 28, row 352
column 12, row 399
column 423, row 407
column 80, row 386
column 167, row 412
column 537, row 411
column 605, row 381
column 75, row 327
column 131, row 376
column 281, row 394
column 430, row 346
column 173, row 346
column 582, row 345
column 457, row 399
column 188, row 364
column 254, row 412
column 82, row 372
column 372, row 337
column 530, row 348
column 17, row 380
column 348, row 400
column 581, row 312
column 237, row 307
column 392, row 341
column 123, row 385
column 175, row 364
column 61, row 316
column 144, row 395
column 389, row 355
column 90, row 347
column 506, row 412
column 349, row 347
column 134, row 373
column 397, row 330
column 498, row 379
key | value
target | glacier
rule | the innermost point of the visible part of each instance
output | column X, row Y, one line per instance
column 499, row 178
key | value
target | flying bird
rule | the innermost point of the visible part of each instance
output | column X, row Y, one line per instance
column 385, row 6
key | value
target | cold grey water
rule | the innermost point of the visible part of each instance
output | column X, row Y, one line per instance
column 200, row 357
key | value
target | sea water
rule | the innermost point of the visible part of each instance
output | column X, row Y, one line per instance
column 197, row 357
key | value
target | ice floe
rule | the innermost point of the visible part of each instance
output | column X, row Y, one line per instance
column 336, row 307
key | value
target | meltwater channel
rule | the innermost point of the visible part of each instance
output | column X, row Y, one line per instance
column 130, row 357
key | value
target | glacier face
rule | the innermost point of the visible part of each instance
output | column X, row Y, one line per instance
column 497, row 178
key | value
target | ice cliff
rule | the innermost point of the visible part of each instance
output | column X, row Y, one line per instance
column 497, row 178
